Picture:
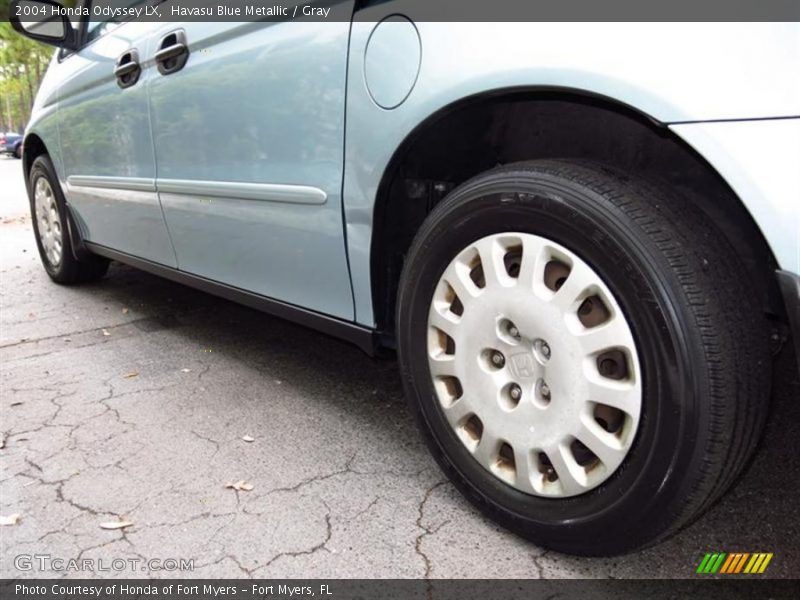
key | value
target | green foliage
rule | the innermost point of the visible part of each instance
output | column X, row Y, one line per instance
column 22, row 66
column 23, row 63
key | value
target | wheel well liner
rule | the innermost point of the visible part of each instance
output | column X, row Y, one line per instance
column 480, row 132
column 32, row 147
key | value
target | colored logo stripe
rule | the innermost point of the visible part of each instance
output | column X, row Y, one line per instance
column 736, row 562
column 762, row 563
column 727, row 564
column 711, row 562
column 703, row 563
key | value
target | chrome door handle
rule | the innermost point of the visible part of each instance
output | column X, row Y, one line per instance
column 128, row 69
column 172, row 53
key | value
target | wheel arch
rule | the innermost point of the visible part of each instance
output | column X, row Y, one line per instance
column 496, row 127
column 32, row 147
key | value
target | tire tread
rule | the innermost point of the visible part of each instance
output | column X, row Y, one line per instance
column 706, row 272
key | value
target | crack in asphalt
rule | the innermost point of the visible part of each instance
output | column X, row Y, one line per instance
column 247, row 572
column 316, row 548
column 58, row 392
column 61, row 482
column 538, row 565
column 426, row 531
column 60, row 336
column 207, row 439
column 303, row 483
column 366, row 509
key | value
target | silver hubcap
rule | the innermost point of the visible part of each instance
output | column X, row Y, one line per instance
column 534, row 364
column 48, row 221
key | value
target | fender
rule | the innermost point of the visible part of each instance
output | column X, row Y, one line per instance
column 667, row 82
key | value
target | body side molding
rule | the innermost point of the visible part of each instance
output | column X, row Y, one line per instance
column 266, row 192
column 136, row 184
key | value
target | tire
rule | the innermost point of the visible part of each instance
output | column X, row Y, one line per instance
column 55, row 250
column 698, row 354
column 18, row 152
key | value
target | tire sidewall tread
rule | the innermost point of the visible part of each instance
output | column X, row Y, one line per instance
column 687, row 273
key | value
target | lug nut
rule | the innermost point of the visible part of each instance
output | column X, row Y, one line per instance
column 542, row 351
column 498, row 360
column 513, row 331
column 515, row 392
column 507, row 328
column 543, row 390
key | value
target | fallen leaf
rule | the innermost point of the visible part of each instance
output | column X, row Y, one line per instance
column 106, row 333
column 240, row 486
column 115, row 525
column 125, row 310
column 131, row 375
column 10, row 520
column 248, row 438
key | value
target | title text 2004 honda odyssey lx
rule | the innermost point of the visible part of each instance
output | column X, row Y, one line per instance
column 581, row 239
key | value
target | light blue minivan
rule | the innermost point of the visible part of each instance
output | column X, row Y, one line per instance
column 581, row 239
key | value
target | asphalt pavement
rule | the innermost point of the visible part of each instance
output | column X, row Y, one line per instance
column 134, row 401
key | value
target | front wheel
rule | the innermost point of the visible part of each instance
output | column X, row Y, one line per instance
column 581, row 354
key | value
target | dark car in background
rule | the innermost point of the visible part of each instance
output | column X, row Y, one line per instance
column 11, row 143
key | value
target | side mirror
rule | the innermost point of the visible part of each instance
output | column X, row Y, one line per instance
column 44, row 21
